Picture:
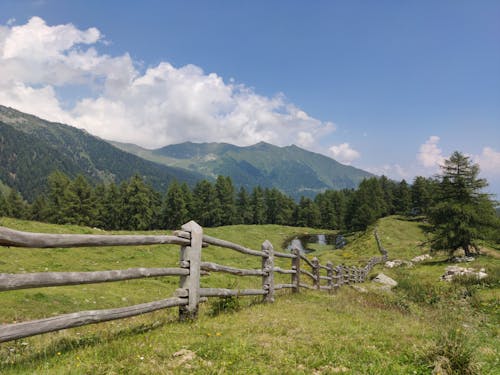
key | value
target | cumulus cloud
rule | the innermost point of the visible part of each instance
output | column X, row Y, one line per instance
column 430, row 155
column 153, row 107
column 394, row 171
column 489, row 161
column 344, row 153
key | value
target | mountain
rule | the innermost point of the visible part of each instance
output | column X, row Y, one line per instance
column 291, row 169
column 32, row 148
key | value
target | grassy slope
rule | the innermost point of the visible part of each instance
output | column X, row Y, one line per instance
column 350, row 332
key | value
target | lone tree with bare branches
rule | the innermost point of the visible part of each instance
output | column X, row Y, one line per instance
column 463, row 213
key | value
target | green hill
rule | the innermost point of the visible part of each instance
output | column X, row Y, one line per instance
column 31, row 148
column 420, row 323
column 291, row 169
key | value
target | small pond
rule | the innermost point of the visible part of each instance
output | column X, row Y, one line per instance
column 303, row 242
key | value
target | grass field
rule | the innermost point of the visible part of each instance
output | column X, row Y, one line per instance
column 406, row 331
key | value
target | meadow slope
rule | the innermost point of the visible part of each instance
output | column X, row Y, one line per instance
column 350, row 332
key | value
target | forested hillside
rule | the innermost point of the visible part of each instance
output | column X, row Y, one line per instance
column 291, row 169
column 32, row 148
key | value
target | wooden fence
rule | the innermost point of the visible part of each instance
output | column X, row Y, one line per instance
column 191, row 267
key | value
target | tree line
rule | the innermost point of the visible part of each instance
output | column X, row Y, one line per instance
column 453, row 203
column 135, row 205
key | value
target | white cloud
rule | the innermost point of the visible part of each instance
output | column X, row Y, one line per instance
column 344, row 153
column 489, row 161
column 430, row 155
column 394, row 171
column 161, row 105
column 305, row 139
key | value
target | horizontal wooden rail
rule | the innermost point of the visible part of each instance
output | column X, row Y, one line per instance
column 10, row 237
column 307, row 286
column 304, row 258
column 283, row 286
column 35, row 327
column 45, row 279
column 308, row 274
column 221, row 292
column 284, row 255
column 207, row 266
column 223, row 243
column 286, row 272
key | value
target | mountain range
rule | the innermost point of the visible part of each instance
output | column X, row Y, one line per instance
column 31, row 148
column 291, row 169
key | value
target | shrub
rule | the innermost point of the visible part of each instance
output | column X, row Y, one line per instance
column 224, row 305
column 452, row 354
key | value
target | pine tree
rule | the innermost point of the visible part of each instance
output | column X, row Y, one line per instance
column 258, row 206
column 224, row 191
column 16, row 207
column 138, row 201
column 206, row 205
column 421, row 195
column 402, row 198
column 308, row 214
column 112, row 207
column 39, row 209
column 463, row 214
column 4, row 211
column 79, row 202
column 58, row 183
column 244, row 213
column 174, row 210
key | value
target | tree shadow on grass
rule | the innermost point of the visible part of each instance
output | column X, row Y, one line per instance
column 68, row 344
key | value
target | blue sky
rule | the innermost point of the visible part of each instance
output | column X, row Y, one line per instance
column 389, row 86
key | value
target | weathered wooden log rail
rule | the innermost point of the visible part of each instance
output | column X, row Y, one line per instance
column 189, row 294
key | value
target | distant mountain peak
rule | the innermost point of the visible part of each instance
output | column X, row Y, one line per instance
column 291, row 169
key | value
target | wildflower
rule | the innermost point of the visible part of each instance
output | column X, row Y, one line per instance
column 218, row 334
column 58, row 353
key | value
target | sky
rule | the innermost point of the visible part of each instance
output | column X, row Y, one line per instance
column 392, row 87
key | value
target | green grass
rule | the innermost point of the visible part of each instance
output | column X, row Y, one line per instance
column 401, row 332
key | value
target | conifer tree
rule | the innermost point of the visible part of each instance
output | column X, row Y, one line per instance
column 258, row 206
column 58, row 184
column 39, row 209
column 79, row 202
column 463, row 214
column 402, row 198
column 224, row 191
column 138, row 201
column 308, row 214
column 16, row 206
column 4, row 211
column 112, row 207
column 244, row 213
column 421, row 195
column 174, row 211
column 206, row 205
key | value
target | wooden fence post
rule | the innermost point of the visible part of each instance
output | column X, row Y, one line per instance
column 190, row 258
column 340, row 275
column 296, row 268
column 268, row 269
column 329, row 273
column 315, row 272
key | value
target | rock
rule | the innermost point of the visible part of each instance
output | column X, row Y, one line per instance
column 421, row 258
column 453, row 271
column 397, row 263
column 463, row 259
column 385, row 280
